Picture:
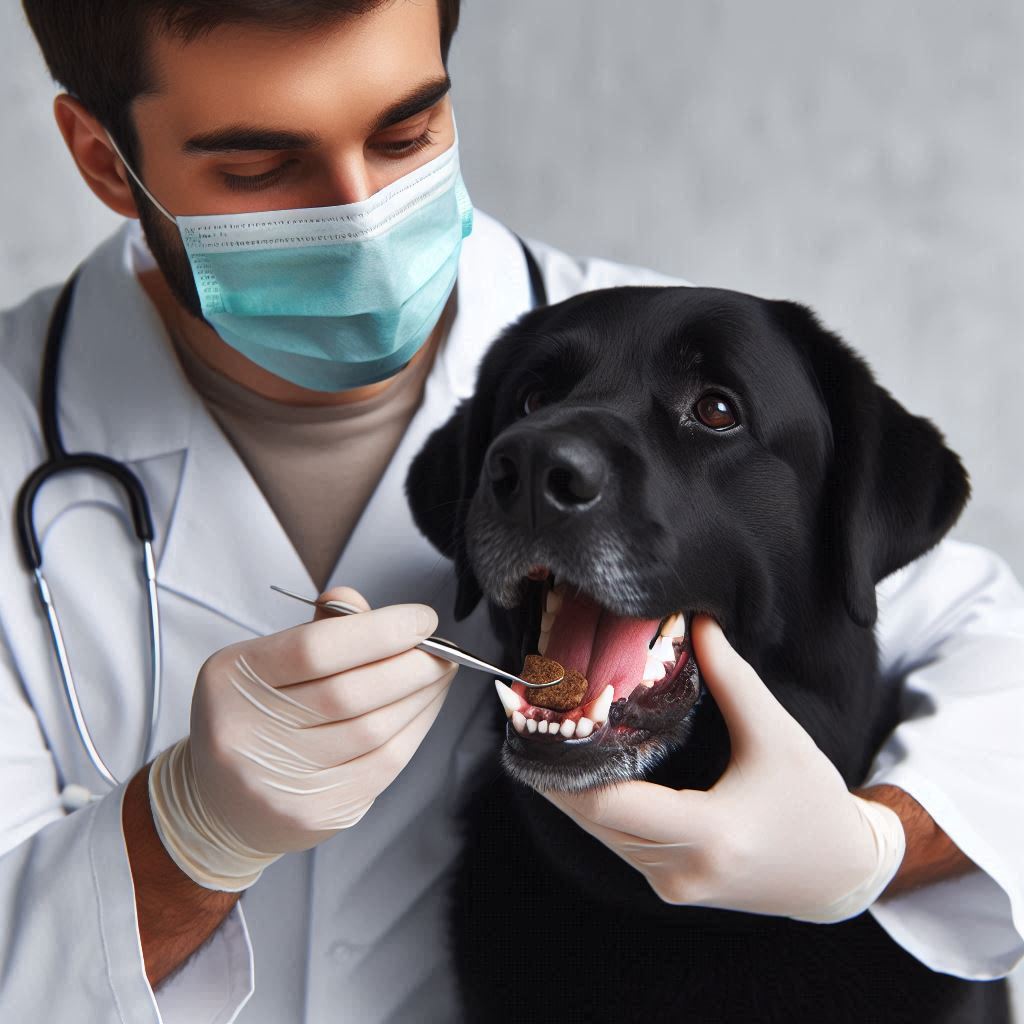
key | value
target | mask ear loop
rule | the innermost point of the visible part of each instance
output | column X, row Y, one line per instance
column 138, row 181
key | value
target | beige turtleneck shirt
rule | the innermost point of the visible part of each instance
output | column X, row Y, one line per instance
column 317, row 466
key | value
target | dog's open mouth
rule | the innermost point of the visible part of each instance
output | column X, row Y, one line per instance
column 642, row 682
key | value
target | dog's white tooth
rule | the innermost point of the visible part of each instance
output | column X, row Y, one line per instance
column 546, row 622
column 662, row 650
column 599, row 707
column 553, row 602
column 542, row 643
column 584, row 727
column 675, row 626
column 542, row 725
column 510, row 700
column 594, row 705
column 519, row 721
column 568, row 728
column 654, row 669
column 531, row 725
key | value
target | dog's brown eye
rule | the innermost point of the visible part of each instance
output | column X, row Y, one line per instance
column 715, row 411
column 533, row 401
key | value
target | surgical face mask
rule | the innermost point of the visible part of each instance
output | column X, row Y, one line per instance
column 332, row 297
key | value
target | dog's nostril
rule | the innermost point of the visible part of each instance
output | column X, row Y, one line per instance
column 504, row 476
column 575, row 485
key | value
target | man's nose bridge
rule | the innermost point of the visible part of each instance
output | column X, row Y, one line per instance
column 350, row 179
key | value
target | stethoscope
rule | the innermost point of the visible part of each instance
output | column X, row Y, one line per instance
column 60, row 461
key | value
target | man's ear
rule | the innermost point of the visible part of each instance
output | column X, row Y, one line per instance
column 439, row 487
column 895, row 488
column 99, row 165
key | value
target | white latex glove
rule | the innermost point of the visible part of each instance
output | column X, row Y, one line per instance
column 779, row 833
column 293, row 736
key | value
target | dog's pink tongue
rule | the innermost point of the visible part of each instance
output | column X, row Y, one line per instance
column 605, row 647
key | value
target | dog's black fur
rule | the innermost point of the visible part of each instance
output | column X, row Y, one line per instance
column 780, row 527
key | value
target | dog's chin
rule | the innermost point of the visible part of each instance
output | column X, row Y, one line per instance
column 638, row 708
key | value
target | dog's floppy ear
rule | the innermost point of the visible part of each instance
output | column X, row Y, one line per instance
column 895, row 488
column 439, row 486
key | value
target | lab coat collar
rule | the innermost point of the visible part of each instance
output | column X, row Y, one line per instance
column 123, row 393
column 121, row 390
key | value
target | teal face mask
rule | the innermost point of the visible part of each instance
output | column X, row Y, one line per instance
column 333, row 297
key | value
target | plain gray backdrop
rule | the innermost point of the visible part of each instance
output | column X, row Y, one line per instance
column 865, row 158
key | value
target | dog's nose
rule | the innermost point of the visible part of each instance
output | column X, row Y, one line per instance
column 545, row 477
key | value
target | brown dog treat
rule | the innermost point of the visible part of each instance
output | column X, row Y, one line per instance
column 568, row 694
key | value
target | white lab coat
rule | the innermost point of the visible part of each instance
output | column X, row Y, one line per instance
column 354, row 931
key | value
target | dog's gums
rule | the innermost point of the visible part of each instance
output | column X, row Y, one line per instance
column 642, row 682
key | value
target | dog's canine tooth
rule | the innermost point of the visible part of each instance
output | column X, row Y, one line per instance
column 674, row 626
column 654, row 668
column 597, row 710
column 662, row 650
column 568, row 728
column 542, row 642
column 519, row 721
column 546, row 622
column 553, row 602
column 531, row 725
column 584, row 727
column 510, row 700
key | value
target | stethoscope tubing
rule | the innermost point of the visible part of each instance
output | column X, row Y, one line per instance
column 60, row 461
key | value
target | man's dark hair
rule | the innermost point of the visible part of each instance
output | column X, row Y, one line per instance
column 97, row 49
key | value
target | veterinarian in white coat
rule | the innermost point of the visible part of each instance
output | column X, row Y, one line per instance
column 353, row 930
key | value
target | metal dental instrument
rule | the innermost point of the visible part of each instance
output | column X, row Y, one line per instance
column 432, row 645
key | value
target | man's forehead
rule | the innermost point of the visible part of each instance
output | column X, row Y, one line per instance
column 347, row 72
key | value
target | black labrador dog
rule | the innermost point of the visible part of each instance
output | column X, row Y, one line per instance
column 631, row 454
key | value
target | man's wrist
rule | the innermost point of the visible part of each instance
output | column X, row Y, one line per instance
column 175, row 915
column 930, row 854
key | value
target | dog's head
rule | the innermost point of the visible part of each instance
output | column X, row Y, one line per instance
column 632, row 456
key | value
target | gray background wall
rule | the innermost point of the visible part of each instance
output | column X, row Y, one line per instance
column 866, row 158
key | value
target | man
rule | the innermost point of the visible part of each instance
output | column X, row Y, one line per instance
column 271, row 417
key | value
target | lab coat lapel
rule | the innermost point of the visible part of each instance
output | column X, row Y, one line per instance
column 122, row 393
column 225, row 546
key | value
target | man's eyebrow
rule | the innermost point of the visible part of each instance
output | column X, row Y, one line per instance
column 421, row 98
column 237, row 137
column 240, row 137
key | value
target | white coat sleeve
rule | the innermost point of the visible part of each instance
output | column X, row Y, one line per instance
column 69, row 938
column 70, row 945
column 951, row 627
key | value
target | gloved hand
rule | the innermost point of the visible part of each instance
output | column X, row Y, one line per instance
column 293, row 736
column 779, row 833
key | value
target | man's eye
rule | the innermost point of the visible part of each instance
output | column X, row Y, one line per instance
column 253, row 182
column 715, row 411
column 406, row 147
